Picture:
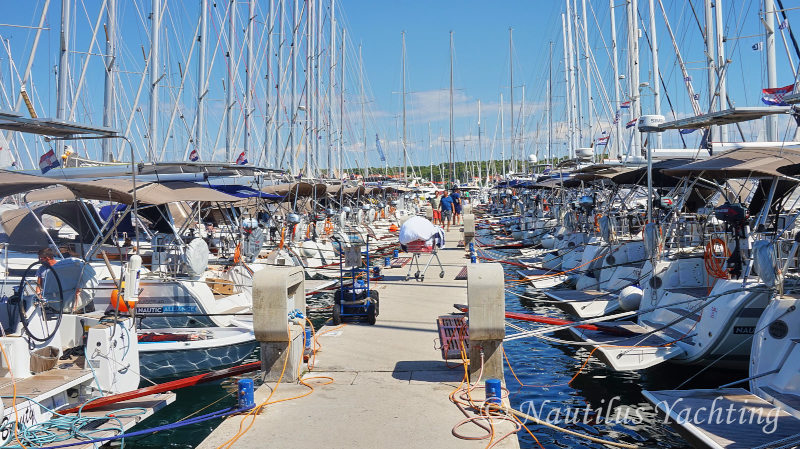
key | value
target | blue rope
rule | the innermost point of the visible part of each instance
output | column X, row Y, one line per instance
column 121, row 436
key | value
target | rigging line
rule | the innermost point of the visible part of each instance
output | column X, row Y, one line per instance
column 791, row 33
column 661, row 78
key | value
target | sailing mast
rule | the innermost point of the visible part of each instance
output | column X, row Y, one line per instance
column 341, row 99
column 656, row 71
column 405, row 148
column 589, row 114
column 567, row 90
column 332, row 81
column 721, row 70
column 278, row 78
column 502, row 137
column 550, row 106
column 201, row 78
column 452, row 135
column 480, row 150
column 511, row 75
column 293, row 108
column 249, row 78
column 772, row 74
column 154, row 79
column 229, row 87
column 363, row 114
column 108, row 97
column 617, row 109
column 307, row 97
column 269, row 117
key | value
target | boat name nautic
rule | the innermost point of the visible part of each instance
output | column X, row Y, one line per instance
column 169, row 309
column 744, row 330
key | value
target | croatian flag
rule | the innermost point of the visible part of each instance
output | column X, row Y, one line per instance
column 625, row 104
column 48, row 161
column 194, row 156
column 602, row 141
column 631, row 124
column 774, row 96
column 616, row 117
column 241, row 160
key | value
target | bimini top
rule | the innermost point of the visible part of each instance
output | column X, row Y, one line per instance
column 599, row 172
column 743, row 163
column 121, row 191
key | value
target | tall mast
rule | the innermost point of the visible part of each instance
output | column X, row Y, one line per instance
column 522, row 131
column 617, row 109
column 293, row 108
column 363, row 114
column 405, row 149
column 588, row 72
column 633, row 68
column 332, row 82
column 201, row 78
column 575, row 60
column 772, row 74
column 722, row 67
column 278, row 80
column 502, row 137
column 573, row 81
column 229, row 86
column 155, row 31
column 452, row 134
column 317, row 79
column 108, row 97
column 341, row 99
column 63, row 65
column 269, row 117
column 249, row 78
column 511, row 75
column 656, row 71
column 309, row 73
column 567, row 90
column 430, row 152
column 480, row 150
column 550, row 106
column 711, row 64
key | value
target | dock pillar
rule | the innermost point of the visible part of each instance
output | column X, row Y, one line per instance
column 487, row 312
column 469, row 230
column 276, row 292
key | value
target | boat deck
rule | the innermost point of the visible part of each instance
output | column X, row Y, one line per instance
column 390, row 385
column 751, row 422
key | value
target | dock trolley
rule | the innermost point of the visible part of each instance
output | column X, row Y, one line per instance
column 417, row 248
column 355, row 300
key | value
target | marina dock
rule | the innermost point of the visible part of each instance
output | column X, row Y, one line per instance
column 390, row 385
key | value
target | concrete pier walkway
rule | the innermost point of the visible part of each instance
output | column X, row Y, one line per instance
column 390, row 386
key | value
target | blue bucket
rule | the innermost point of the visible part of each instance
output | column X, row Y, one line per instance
column 246, row 399
column 494, row 391
column 387, row 261
column 396, row 253
column 473, row 259
column 308, row 338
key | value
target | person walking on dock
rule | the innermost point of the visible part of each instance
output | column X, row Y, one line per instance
column 446, row 205
column 456, row 196
column 437, row 215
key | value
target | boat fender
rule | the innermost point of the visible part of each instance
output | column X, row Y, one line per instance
column 630, row 297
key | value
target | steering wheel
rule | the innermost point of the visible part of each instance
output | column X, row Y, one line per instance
column 28, row 289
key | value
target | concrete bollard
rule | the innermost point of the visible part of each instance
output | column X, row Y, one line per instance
column 276, row 292
column 469, row 230
column 487, row 312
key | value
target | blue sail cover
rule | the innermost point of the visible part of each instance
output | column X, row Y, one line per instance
column 244, row 192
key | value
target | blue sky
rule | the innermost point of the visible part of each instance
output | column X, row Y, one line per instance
column 481, row 68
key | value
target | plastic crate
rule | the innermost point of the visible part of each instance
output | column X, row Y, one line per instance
column 453, row 335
